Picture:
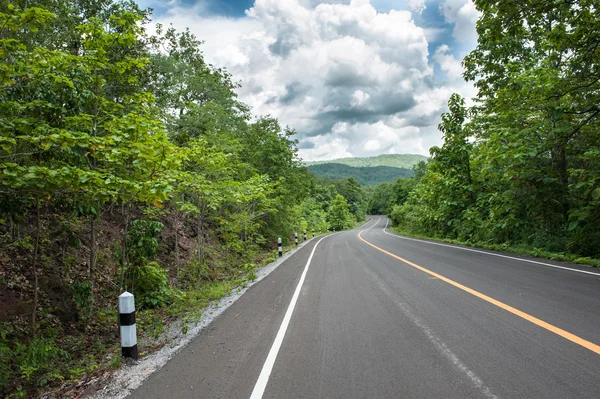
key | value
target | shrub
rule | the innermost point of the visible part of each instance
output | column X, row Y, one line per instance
column 152, row 286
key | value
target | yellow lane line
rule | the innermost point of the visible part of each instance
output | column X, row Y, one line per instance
column 558, row 331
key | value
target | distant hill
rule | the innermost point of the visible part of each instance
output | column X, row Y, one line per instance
column 405, row 161
column 366, row 176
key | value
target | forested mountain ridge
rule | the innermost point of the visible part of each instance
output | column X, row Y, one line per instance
column 366, row 176
column 404, row 161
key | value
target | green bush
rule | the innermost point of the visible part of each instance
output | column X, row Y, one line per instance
column 406, row 217
column 148, row 281
column 195, row 272
column 151, row 287
column 33, row 363
column 339, row 216
column 81, row 291
column 142, row 240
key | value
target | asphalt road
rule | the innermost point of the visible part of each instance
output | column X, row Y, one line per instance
column 380, row 316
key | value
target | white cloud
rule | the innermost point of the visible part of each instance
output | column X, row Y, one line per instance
column 417, row 6
column 450, row 65
column 453, row 70
column 464, row 15
column 372, row 145
column 359, row 98
column 350, row 80
column 326, row 148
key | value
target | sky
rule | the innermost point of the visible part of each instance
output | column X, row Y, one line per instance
column 354, row 78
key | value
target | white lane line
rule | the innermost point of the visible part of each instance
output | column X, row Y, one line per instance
column 488, row 253
column 263, row 378
column 433, row 338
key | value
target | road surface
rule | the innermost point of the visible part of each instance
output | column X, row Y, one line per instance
column 368, row 314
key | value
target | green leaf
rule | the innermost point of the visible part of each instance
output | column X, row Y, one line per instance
column 596, row 193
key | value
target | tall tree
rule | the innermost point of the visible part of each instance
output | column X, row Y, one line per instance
column 353, row 193
column 339, row 216
column 537, row 70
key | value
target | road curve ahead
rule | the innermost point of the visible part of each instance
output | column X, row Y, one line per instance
column 368, row 314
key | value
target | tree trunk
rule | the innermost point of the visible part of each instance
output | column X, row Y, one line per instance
column 36, row 250
column 470, row 180
column 92, row 262
column 561, row 168
column 11, row 228
column 199, row 228
column 177, row 241
column 124, row 246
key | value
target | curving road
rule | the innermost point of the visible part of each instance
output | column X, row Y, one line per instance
column 368, row 314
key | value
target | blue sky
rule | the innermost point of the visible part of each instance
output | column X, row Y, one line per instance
column 228, row 8
column 352, row 77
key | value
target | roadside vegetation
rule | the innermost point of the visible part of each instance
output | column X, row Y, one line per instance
column 520, row 169
column 128, row 163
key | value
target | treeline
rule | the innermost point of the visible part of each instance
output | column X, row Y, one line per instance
column 522, row 166
column 128, row 163
column 402, row 161
column 366, row 176
column 383, row 198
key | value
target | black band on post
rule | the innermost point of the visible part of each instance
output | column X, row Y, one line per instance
column 131, row 351
column 127, row 319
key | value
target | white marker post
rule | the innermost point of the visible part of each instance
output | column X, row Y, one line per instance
column 279, row 247
column 313, row 231
column 127, row 325
column 296, row 236
column 304, row 235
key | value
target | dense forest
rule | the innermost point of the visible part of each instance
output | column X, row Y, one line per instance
column 522, row 166
column 366, row 176
column 128, row 163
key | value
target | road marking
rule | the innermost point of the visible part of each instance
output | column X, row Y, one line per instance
column 434, row 339
column 488, row 253
column 263, row 378
column 541, row 323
